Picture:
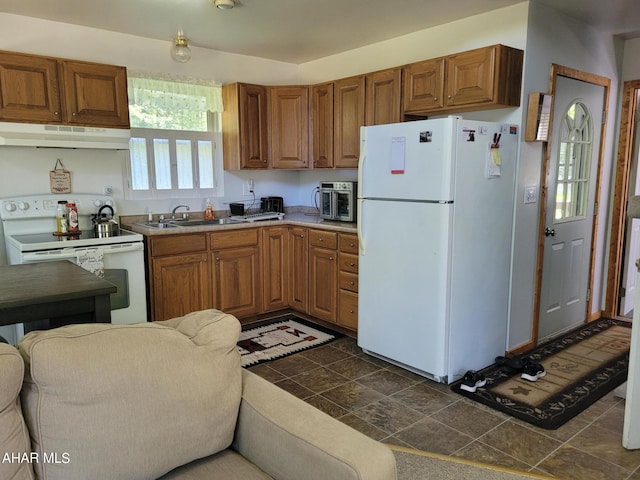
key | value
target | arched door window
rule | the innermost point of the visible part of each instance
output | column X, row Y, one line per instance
column 574, row 163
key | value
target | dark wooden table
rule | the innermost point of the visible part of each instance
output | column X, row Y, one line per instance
column 53, row 290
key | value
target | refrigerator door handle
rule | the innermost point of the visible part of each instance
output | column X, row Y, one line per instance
column 361, row 248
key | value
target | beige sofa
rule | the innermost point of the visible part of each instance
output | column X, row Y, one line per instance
column 163, row 400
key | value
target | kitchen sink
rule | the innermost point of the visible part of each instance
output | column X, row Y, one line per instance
column 156, row 225
column 198, row 222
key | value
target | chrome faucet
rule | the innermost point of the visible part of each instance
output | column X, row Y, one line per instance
column 185, row 215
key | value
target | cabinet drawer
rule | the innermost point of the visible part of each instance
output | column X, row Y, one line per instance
column 348, row 281
column 348, row 262
column 176, row 244
column 348, row 310
column 348, row 243
column 322, row 238
column 235, row 238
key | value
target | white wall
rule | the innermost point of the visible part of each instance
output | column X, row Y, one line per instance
column 555, row 38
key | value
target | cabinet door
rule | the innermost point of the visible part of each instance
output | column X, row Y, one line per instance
column 275, row 263
column 236, row 280
column 348, row 117
column 180, row 285
column 348, row 309
column 323, row 273
column 29, row 89
column 470, row 77
column 383, row 97
column 321, row 154
column 299, row 269
column 423, row 85
column 253, row 126
column 95, row 94
column 289, row 113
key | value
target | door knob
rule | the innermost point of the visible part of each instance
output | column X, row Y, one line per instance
column 549, row 232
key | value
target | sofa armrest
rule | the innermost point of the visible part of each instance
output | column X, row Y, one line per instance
column 292, row 440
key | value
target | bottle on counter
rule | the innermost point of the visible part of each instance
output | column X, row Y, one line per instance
column 72, row 218
column 61, row 217
column 208, row 211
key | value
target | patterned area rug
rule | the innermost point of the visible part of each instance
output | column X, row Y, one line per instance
column 582, row 366
column 280, row 337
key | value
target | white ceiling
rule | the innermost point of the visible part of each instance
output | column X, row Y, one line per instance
column 298, row 31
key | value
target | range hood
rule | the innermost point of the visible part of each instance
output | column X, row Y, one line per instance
column 63, row 136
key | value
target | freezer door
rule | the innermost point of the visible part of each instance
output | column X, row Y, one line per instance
column 403, row 292
column 411, row 160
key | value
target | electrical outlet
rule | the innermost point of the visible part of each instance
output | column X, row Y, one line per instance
column 246, row 189
column 107, row 190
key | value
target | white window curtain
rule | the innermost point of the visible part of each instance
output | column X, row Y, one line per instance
column 174, row 93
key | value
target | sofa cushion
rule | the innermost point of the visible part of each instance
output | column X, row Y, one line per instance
column 14, row 438
column 131, row 401
column 225, row 465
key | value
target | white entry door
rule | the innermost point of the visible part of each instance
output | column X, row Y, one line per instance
column 572, row 178
column 632, row 238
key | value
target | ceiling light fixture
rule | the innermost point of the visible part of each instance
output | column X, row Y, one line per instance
column 180, row 50
column 224, row 4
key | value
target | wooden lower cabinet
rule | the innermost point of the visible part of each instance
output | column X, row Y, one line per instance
column 323, row 275
column 250, row 271
column 348, row 281
column 180, row 285
column 298, row 265
column 236, row 281
column 275, row 268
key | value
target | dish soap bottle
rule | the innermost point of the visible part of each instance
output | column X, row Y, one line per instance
column 208, row 211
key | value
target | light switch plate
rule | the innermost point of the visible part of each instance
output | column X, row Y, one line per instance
column 531, row 194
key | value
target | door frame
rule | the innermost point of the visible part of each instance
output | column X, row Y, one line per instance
column 556, row 71
column 630, row 92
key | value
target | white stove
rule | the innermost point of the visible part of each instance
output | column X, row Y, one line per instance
column 29, row 223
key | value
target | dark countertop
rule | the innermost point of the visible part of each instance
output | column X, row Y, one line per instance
column 39, row 283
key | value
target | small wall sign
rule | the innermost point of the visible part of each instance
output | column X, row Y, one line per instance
column 60, row 178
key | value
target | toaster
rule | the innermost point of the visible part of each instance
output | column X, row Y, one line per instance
column 272, row 204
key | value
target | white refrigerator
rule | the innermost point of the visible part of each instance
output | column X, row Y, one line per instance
column 435, row 225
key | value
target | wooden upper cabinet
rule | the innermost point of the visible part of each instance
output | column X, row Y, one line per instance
column 489, row 77
column 383, row 97
column 48, row 90
column 29, row 89
column 321, row 129
column 423, row 86
column 289, row 115
column 244, row 126
column 95, row 94
column 348, row 115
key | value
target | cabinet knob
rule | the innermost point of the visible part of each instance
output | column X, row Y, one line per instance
column 351, row 311
column 321, row 239
column 56, row 113
column 351, row 264
column 352, row 283
column 435, row 99
column 352, row 245
column 302, row 235
column 74, row 114
column 217, row 259
column 330, row 258
column 450, row 96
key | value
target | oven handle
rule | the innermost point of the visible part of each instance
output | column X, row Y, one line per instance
column 65, row 253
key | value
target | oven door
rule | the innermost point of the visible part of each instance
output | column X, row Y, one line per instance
column 344, row 206
column 327, row 204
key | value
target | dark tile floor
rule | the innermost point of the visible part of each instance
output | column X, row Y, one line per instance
column 399, row 407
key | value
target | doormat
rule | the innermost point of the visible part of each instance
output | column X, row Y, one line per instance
column 581, row 367
column 280, row 337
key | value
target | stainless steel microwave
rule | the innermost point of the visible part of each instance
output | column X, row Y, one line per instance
column 338, row 200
